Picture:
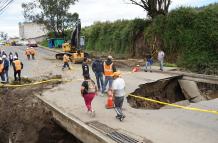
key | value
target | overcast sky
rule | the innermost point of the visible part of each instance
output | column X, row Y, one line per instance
column 90, row 11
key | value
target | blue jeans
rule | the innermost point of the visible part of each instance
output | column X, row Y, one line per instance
column 6, row 76
column 3, row 77
column 147, row 64
column 108, row 79
column 99, row 79
column 161, row 64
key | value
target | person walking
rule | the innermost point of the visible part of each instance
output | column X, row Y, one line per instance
column 66, row 60
column 3, row 53
column 2, row 75
column 6, row 68
column 85, row 67
column 33, row 53
column 27, row 53
column 16, row 54
column 161, row 56
column 98, row 69
column 88, row 92
column 10, row 58
column 148, row 62
column 118, row 89
column 17, row 66
column 109, row 69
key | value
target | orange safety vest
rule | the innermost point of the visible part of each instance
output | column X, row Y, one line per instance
column 66, row 59
column 1, row 67
column 27, row 52
column 17, row 64
column 108, row 70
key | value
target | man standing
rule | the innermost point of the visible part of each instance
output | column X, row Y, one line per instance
column 27, row 53
column 98, row 69
column 161, row 56
column 109, row 69
column 18, row 66
column 6, row 67
column 66, row 60
column 11, row 58
column 2, row 70
column 118, row 89
column 148, row 62
column 85, row 67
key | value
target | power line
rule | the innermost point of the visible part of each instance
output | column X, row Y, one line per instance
column 5, row 6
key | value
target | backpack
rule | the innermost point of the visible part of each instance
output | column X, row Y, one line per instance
column 91, row 86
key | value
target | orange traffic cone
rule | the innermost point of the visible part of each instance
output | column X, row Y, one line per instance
column 110, row 103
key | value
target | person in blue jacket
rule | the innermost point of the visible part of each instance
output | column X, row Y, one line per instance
column 6, row 67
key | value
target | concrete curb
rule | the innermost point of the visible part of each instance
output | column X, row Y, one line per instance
column 76, row 127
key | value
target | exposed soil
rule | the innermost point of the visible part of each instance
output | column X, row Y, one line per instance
column 167, row 90
column 23, row 119
column 209, row 91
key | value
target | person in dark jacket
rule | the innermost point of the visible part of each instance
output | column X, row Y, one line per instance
column 85, row 67
column 98, row 69
column 109, row 69
column 10, row 56
column 6, row 68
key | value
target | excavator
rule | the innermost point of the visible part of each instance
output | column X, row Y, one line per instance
column 74, row 49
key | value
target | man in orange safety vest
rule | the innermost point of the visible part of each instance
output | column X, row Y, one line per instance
column 18, row 66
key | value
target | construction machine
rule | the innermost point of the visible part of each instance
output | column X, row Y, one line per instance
column 74, row 49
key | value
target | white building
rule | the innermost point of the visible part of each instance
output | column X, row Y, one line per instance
column 29, row 31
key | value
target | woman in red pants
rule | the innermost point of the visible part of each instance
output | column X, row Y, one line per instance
column 88, row 92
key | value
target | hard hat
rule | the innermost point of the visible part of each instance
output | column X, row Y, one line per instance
column 110, row 57
column 15, row 57
column 116, row 74
column 4, row 57
column 31, row 47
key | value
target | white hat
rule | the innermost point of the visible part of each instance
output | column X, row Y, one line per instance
column 15, row 57
column 110, row 57
column 31, row 47
column 4, row 57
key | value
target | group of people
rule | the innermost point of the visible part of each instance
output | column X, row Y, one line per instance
column 6, row 62
column 30, row 52
column 106, row 75
column 149, row 61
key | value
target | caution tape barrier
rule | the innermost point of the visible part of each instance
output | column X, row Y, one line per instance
column 35, row 83
column 175, row 105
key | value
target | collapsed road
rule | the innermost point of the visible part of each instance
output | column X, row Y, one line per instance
column 157, row 126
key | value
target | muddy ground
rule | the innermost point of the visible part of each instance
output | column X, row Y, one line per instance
column 23, row 119
column 166, row 90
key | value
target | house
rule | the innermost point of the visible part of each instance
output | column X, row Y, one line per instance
column 32, row 31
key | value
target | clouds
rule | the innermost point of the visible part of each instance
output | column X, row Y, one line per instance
column 90, row 11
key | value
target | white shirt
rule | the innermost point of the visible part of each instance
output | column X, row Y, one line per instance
column 161, row 55
column 118, row 86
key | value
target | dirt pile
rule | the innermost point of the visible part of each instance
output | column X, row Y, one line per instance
column 167, row 90
column 23, row 119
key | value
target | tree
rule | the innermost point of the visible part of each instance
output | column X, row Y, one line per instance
column 3, row 36
column 153, row 7
column 52, row 13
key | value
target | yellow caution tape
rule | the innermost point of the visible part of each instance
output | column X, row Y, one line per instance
column 175, row 105
column 35, row 83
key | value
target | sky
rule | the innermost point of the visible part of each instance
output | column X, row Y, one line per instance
column 90, row 11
